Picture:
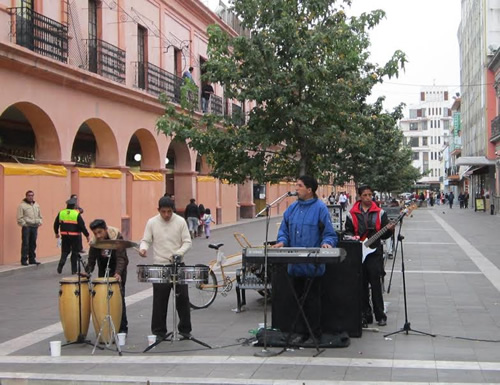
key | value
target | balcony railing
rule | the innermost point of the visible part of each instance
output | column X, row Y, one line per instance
column 216, row 105
column 39, row 33
column 106, row 60
column 155, row 81
column 495, row 129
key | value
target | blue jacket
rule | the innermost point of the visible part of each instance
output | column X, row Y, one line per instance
column 307, row 224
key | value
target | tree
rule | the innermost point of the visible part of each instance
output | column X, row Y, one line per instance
column 306, row 67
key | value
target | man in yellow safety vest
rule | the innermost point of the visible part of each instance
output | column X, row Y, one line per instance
column 69, row 223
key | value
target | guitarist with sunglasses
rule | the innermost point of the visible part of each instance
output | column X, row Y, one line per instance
column 364, row 220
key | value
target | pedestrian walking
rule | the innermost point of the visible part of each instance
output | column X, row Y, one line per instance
column 29, row 217
column 192, row 216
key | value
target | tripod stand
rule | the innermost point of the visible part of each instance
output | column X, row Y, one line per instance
column 107, row 318
column 81, row 337
column 406, row 327
column 174, row 334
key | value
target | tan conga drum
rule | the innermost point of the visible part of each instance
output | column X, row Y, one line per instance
column 99, row 302
column 71, row 299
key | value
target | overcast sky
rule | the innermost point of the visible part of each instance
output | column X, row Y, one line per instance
column 426, row 30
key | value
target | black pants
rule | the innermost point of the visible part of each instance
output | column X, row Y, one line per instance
column 373, row 270
column 28, row 245
column 161, row 294
column 70, row 244
column 311, row 303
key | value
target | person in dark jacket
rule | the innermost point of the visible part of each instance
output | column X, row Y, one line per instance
column 70, row 224
column 363, row 220
column 307, row 223
column 118, row 260
column 192, row 216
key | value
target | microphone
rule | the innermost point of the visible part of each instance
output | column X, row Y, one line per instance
column 292, row 193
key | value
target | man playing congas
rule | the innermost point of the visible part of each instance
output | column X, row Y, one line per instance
column 168, row 233
column 118, row 261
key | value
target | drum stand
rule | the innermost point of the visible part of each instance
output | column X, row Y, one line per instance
column 81, row 338
column 107, row 318
column 174, row 335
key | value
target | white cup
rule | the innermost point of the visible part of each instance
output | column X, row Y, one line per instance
column 55, row 348
column 122, row 337
column 151, row 339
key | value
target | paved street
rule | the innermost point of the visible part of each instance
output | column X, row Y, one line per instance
column 453, row 291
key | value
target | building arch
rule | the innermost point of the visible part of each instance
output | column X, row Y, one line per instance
column 144, row 143
column 183, row 157
column 95, row 145
column 29, row 131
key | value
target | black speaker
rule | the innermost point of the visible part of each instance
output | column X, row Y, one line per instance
column 340, row 300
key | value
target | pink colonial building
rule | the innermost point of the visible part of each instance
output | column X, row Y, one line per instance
column 78, row 108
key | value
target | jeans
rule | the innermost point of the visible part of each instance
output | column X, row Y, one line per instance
column 204, row 104
column 28, row 245
column 70, row 244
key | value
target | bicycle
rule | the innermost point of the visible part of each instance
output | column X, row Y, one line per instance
column 202, row 295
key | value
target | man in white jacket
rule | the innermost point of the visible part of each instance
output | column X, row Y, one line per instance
column 169, row 236
column 29, row 218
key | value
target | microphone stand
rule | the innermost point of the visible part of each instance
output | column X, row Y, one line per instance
column 265, row 352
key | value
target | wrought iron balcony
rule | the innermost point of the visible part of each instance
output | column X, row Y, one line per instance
column 106, row 60
column 216, row 105
column 495, row 129
column 39, row 33
column 155, row 81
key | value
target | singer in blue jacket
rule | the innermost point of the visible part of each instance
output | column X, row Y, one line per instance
column 307, row 223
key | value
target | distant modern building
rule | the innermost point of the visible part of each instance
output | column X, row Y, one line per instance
column 479, row 40
column 426, row 130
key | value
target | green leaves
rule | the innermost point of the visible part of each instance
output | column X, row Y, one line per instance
column 305, row 67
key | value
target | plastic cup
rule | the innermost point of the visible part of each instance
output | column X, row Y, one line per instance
column 55, row 348
column 151, row 339
column 122, row 337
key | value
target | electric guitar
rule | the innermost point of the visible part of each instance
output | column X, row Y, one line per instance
column 366, row 244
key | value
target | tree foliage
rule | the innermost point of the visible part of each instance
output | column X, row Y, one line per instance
column 306, row 67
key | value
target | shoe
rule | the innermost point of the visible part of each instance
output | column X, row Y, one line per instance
column 59, row 269
column 382, row 322
column 368, row 318
column 24, row 263
column 185, row 336
column 35, row 263
column 207, row 237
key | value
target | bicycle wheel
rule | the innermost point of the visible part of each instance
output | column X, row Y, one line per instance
column 201, row 295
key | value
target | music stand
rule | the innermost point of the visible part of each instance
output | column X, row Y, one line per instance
column 108, row 318
column 173, row 335
column 81, row 338
column 407, row 326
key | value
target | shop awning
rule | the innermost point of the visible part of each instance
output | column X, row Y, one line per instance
column 474, row 161
column 464, row 171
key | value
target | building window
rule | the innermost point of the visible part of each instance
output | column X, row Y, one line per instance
column 424, row 125
column 415, row 155
column 413, row 114
column 413, row 126
column 142, row 35
column 424, row 141
column 413, row 141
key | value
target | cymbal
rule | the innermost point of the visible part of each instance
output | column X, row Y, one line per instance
column 114, row 244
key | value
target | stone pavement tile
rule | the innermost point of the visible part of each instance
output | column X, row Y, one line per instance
column 330, row 373
column 492, row 376
column 453, row 375
column 278, row 372
column 356, row 373
column 234, row 371
column 152, row 370
column 458, row 351
column 413, row 347
column 487, row 351
column 83, row 368
column 414, row 375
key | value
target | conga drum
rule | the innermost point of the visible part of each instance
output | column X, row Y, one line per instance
column 99, row 302
column 74, row 307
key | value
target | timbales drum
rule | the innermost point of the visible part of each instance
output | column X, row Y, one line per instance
column 192, row 274
column 74, row 300
column 155, row 273
column 99, row 302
